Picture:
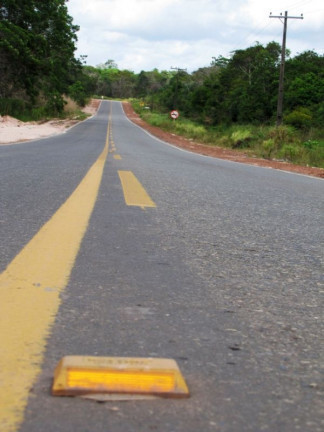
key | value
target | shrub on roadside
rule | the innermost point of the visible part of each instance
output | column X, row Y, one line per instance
column 12, row 107
column 289, row 152
column 77, row 93
column 54, row 103
column 190, row 130
column 300, row 118
column 282, row 135
column 70, row 105
column 268, row 147
column 311, row 144
column 241, row 138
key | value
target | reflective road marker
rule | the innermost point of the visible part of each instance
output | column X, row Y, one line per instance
column 134, row 193
column 30, row 288
column 78, row 375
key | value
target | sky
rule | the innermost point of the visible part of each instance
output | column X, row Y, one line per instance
column 163, row 34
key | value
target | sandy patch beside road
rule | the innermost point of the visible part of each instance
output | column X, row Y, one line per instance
column 13, row 130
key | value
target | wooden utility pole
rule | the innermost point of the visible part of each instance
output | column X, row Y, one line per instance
column 282, row 64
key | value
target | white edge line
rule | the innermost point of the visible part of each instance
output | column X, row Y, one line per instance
column 213, row 157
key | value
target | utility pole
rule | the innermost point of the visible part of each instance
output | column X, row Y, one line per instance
column 282, row 64
column 175, row 98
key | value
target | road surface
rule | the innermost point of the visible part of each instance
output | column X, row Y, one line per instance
column 214, row 264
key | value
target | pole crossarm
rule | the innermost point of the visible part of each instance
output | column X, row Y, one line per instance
column 178, row 69
column 283, row 16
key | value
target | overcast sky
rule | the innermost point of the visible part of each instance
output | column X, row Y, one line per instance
column 147, row 34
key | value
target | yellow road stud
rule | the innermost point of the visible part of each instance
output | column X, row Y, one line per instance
column 79, row 375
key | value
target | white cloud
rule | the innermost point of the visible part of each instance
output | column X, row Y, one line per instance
column 144, row 34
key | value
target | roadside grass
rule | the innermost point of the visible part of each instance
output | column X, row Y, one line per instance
column 286, row 143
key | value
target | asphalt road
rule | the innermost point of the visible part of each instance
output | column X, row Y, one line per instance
column 224, row 275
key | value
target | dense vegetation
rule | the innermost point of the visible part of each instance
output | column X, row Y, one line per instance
column 232, row 103
column 239, row 89
column 37, row 62
column 38, row 70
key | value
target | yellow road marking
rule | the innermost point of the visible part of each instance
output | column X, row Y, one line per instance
column 134, row 193
column 30, row 294
column 117, row 157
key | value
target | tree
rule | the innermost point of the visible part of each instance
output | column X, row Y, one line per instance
column 253, row 80
column 111, row 64
column 37, row 50
column 305, row 85
column 149, row 84
column 243, row 88
column 123, row 84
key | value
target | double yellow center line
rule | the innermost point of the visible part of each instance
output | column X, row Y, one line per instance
column 30, row 288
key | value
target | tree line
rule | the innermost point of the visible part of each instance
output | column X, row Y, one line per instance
column 240, row 89
column 38, row 66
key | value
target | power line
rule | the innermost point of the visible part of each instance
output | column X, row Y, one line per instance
column 254, row 32
column 302, row 2
column 257, row 31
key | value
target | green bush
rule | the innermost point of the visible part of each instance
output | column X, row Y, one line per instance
column 318, row 111
column 289, row 152
column 77, row 93
column 316, row 155
column 54, row 103
column 36, row 114
column 190, row 130
column 282, row 135
column 240, row 138
column 300, row 118
column 13, row 107
column 311, row 144
column 268, row 147
column 224, row 141
column 155, row 119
